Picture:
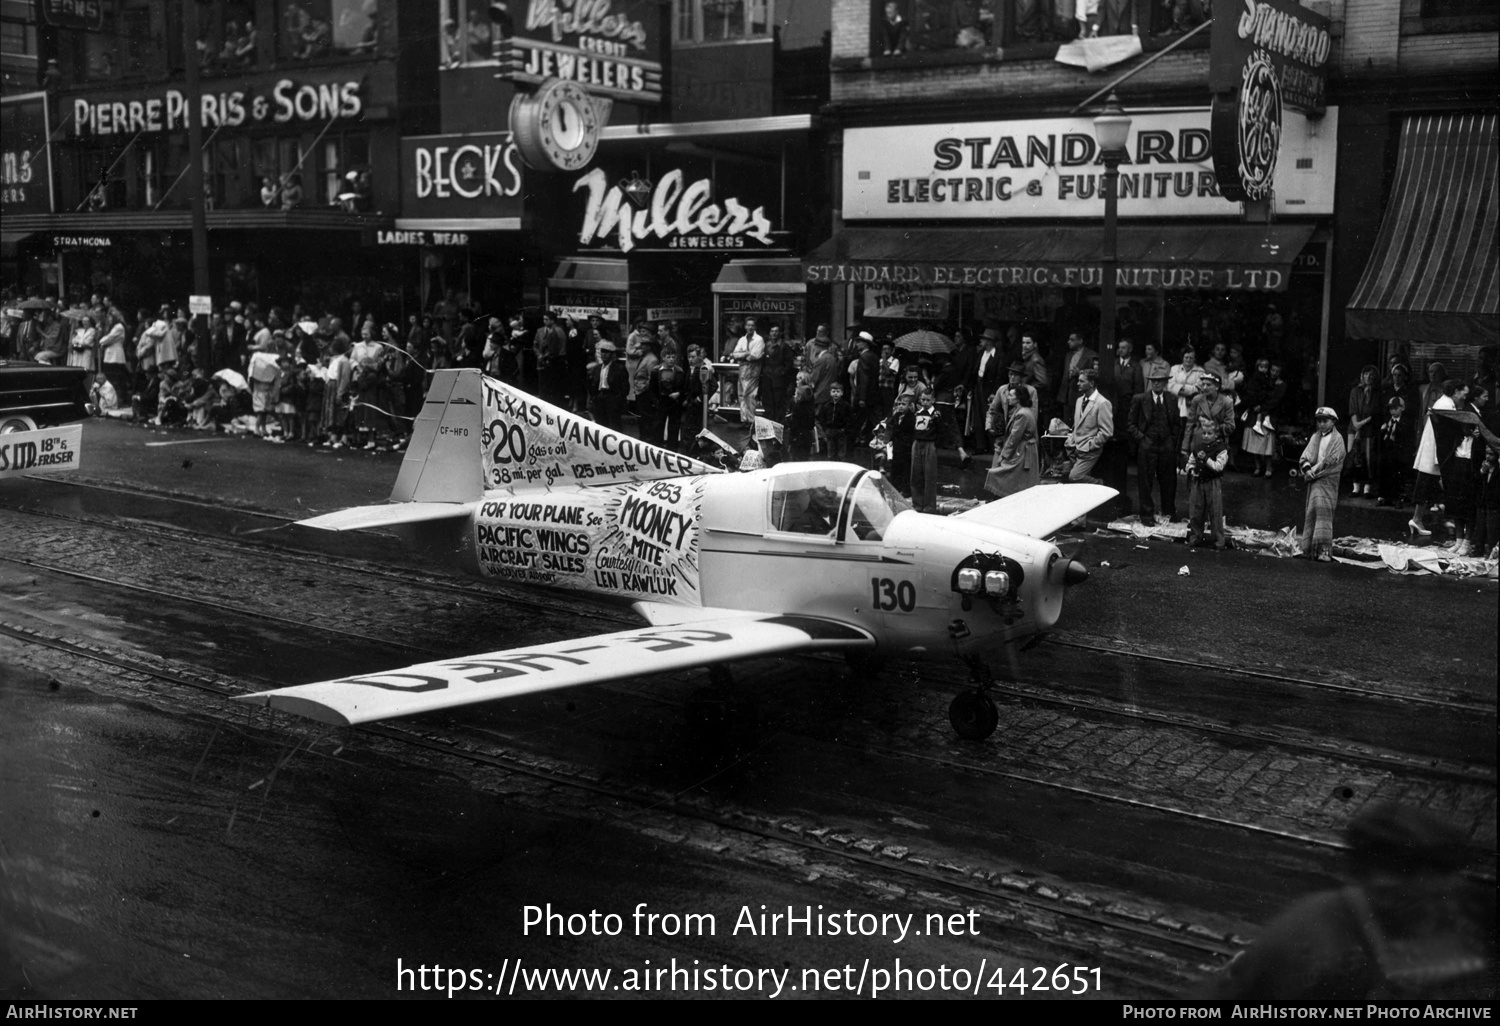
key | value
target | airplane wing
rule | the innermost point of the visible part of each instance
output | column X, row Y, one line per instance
column 563, row 664
column 358, row 518
column 1040, row 511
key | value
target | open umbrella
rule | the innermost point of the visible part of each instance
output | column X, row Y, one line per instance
column 924, row 341
column 235, row 379
column 35, row 304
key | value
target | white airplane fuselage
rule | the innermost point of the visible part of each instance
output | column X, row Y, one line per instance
column 897, row 583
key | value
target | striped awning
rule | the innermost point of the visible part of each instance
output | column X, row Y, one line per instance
column 1433, row 274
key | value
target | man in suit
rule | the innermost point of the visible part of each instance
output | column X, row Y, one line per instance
column 989, row 375
column 1156, row 427
column 1093, row 427
column 608, row 386
column 1120, row 380
column 866, row 390
column 1079, row 359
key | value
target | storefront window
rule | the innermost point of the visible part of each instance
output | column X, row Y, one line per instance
column 472, row 31
column 904, row 26
column 719, row 21
column 310, row 29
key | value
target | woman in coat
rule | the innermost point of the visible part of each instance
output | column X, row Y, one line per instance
column 1321, row 464
column 1017, row 466
column 1364, row 411
column 1438, row 441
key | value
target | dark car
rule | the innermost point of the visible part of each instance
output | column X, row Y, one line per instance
column 34, row 395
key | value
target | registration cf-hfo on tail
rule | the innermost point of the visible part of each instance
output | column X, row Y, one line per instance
column 801, row 557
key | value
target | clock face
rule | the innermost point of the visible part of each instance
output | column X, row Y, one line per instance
column 557, row 127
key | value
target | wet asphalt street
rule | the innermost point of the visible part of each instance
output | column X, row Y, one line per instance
column 1214, row 733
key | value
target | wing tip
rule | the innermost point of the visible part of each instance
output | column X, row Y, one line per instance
column 305, row 707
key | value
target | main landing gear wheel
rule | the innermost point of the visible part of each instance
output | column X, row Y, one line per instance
column 973, row 715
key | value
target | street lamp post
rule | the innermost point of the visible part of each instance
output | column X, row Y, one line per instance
column 1111, row 129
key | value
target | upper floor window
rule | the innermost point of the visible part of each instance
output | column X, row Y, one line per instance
column 309, row 29
column 472, row 31
column 902, row 26
column 720, row 21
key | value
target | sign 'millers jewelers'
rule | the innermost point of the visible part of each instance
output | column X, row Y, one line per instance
column 1264, row 53
column 610, row 47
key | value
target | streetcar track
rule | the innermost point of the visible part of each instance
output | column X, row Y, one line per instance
column 1182, row 937
column 911, row 753
column 1386, row 759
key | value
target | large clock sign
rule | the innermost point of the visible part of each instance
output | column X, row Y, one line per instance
column 557, row 127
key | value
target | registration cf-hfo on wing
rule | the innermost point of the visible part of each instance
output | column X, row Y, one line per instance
column 801, row 557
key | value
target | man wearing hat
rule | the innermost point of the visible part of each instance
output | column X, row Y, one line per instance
column 1155, row 427
column 864, row 389
column 1004, row 403
column 608, row 386
column 1321, row 465
column 1407, row 925
column 1210, row 403
column 989, row 376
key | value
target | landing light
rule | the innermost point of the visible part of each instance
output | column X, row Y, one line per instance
column 970, row 581
column 996, row 583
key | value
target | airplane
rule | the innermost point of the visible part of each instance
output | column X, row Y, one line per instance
column 721, row 566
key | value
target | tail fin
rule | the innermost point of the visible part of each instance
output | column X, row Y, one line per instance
column 476, row 432
column 442, row 461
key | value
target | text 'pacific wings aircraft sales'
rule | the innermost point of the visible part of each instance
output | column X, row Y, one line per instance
column 800, row 557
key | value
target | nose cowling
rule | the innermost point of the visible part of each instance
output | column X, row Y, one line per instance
column 1074, row 573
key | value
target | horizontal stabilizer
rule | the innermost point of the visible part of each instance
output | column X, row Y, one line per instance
column 360, row 518
column 645, row 651
column 1040, row 511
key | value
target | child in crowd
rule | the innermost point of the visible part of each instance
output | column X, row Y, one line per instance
column 801, row 421
column 932, row 426
column 310, row 379
column 834, row 418
column 902, row 428
column 1205, row 467
column 289, row 399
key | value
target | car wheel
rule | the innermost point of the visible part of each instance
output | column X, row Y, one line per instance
column 10, row 423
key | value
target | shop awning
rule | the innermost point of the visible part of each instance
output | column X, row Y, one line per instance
column 1432, row 275
column 761, row 277
column 1220, row 258
column 591, row 274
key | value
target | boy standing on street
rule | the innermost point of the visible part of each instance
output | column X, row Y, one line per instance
column 1205, row 467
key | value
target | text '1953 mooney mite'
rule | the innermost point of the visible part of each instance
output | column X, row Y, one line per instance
column 801, row 557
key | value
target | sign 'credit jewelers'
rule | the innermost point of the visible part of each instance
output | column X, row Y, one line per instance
column 610, row 47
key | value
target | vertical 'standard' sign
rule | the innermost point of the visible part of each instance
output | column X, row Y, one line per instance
column 1264, row 53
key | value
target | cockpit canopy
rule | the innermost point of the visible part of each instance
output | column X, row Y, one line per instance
column 831, row 500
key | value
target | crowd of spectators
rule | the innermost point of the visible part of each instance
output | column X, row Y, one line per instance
column 351, row 381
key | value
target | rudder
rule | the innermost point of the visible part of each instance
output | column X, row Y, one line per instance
column 443, row 459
